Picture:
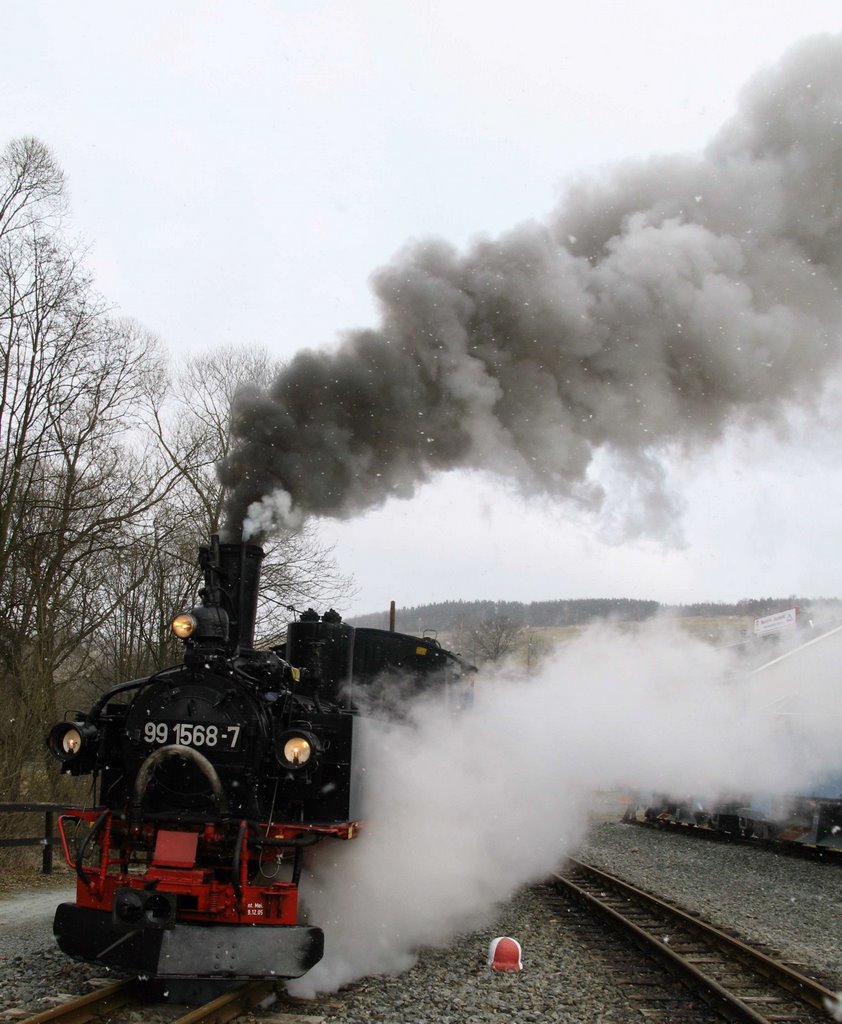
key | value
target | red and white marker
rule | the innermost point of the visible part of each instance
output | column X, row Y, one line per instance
column 504, row 954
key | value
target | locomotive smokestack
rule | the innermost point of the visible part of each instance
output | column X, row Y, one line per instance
column 232, row 575
column 658, row 305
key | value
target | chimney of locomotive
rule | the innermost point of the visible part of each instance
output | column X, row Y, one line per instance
column 232, row 577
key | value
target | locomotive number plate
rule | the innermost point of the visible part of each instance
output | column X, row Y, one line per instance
column 193, row 734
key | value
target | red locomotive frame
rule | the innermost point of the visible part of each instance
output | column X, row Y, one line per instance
column 148, row 876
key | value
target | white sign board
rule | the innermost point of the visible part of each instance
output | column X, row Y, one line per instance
column 772, row 623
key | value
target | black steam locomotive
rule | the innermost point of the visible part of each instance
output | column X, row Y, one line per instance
column 215, row 775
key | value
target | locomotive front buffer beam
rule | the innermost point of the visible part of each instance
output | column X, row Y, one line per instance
column 189, row 950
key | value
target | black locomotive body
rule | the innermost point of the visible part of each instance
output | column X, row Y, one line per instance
column 215, row 775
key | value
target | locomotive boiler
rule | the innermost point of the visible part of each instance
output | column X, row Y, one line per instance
column 214, row 776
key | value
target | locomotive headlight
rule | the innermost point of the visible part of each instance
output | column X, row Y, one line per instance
column 183, row 625
column 298, row 749
column 71, row 742
column 68, row 739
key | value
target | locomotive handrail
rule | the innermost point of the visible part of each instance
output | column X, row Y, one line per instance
column 76, row 862
column 131, row 684
column 105, row 816
column 239, row 864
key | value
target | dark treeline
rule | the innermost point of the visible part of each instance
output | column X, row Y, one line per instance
column 453, row 615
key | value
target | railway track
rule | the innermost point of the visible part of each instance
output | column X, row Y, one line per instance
column 738, row 982
column 104, row 1004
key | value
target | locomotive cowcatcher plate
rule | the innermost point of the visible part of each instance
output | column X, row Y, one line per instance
column 189, row 950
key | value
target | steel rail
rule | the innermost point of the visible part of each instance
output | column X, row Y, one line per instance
column 94, row 1004
column 106, row 1000
column 231, row 1005
column 805, row 990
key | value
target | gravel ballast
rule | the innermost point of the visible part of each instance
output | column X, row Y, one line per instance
column 790, row 905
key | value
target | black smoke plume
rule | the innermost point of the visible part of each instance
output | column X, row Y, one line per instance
column 660, row 304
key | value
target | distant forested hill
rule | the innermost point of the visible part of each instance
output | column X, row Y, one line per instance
column 451, row 615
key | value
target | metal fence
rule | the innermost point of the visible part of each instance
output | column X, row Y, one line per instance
column 46, row 840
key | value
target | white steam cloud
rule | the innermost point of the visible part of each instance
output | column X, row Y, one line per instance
column 272, row 508
column 464, row 809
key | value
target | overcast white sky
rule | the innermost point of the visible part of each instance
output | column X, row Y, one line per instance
column 239, row 170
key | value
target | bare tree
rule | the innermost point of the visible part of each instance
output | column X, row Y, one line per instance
column 75, row 474
column 32, row 186
column 193, row 427
column 494, row 639
column 149, row 580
